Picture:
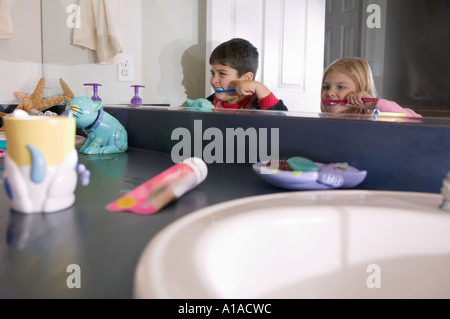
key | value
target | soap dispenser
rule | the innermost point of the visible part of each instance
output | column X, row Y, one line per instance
column 136, row 100
column 95, row 86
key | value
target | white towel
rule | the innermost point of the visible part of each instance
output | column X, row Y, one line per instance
column 6, row 29
column 101, row 29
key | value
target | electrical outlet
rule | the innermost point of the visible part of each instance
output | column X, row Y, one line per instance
column 125, row 70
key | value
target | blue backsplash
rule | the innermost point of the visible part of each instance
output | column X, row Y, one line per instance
column 398, row 156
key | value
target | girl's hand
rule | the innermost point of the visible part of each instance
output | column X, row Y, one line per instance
column 355, row 99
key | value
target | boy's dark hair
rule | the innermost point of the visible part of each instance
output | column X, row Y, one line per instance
column 238, row 54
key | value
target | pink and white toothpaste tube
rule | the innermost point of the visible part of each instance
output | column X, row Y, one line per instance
column 157, row 192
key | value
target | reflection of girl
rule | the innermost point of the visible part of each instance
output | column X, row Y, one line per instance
column 351, row 79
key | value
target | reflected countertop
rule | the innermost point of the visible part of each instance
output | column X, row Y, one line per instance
column 36, row 250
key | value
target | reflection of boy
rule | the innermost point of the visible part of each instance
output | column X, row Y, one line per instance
column 233, row 66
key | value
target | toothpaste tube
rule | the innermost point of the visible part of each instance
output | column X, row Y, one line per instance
column 2, row 144
column 153, row 195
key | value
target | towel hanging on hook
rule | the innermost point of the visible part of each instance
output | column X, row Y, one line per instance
column 101, row 29
column 6, row 28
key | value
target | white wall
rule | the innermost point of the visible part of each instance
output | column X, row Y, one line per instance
column 173, row 37
column 78, row 66
column 159, row 34
column 165, row 37
column 21, row 56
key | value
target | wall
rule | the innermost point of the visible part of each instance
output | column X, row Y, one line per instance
column 174, row 34
column 160, row 35
column 166, row 39
column 21, row 56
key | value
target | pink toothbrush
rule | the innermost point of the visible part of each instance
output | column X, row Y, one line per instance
column 335, row 102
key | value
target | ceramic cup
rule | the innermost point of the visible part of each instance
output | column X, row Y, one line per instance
column 40, row 163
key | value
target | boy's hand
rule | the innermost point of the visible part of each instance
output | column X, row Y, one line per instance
column 356, row 98
column 249, row 87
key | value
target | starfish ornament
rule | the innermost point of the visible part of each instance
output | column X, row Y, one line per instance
column 35, row 100
column 68, row 94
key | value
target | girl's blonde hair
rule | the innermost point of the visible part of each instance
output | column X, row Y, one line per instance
column 359, row 71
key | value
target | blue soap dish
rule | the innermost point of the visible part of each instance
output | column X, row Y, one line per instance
column 328, row 176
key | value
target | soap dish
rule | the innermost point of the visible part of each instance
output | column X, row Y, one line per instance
column 328, row 176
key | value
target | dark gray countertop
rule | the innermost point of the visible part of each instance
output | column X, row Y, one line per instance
column 36, row 249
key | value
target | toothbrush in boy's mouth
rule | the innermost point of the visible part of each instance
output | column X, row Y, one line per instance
column 335, row 102
column 226, row 91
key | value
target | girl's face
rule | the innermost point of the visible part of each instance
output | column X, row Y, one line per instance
column 224, row 77
column 336, row 86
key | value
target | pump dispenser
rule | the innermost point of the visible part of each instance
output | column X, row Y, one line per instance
column 136, row 100
column 95, row 86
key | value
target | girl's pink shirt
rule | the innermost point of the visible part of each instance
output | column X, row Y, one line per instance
column 389, row 106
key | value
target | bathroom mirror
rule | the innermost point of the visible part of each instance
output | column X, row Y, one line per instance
column 167, row 45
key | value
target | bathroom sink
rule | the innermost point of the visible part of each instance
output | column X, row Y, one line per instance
column 310, row 244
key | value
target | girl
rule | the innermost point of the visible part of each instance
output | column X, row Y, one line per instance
column 351, row 79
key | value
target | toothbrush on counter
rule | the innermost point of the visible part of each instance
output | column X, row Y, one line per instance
column 226, row 91
column 334, row 102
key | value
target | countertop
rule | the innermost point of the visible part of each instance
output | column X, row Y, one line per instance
column 36, row 249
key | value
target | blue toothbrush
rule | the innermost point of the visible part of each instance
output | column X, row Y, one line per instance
column 226, row 91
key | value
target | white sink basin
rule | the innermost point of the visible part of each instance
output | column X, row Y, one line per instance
column 317, row 244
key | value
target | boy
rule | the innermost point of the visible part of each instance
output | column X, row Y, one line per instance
column 233, row 66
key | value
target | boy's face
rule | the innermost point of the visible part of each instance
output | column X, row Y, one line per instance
column 336, row 86
column 224, row 77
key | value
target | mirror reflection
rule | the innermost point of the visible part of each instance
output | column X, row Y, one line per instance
column 168, row 44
